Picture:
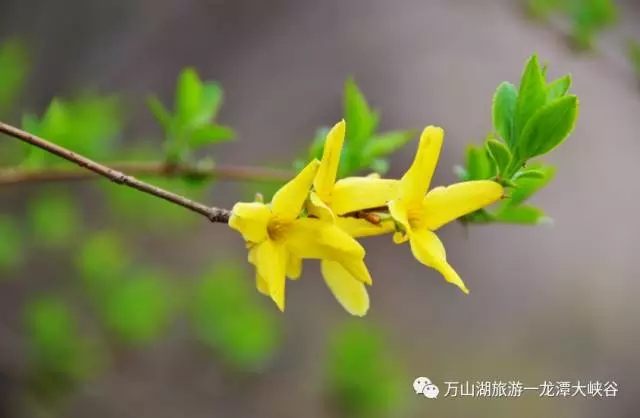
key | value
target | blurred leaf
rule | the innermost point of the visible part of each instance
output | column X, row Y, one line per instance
column 137, row 311
column 380, row 166
column 102, row 260
column 188, row 96
column 212, row 96
column 385, row 144
column 558, row 88
column 361, row 121
column 532, row 95
column 499, row 153
column 53, row 339
column 210, row 134
column 633, row 52
column 362, row 375
column 527, row 187
column 11, row 244
column 527, row 215
column 227, row 318
column 160, row 113
column 53, row 218
column 503, row 110
column 529, row 174
column 461, row 173
column 317, row 146
column 479, row 166
column 13, row 71
column 548, row 128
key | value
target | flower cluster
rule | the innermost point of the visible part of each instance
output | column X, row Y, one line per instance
column 317, row 216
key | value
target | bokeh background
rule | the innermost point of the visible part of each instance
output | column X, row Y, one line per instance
column 546, row 303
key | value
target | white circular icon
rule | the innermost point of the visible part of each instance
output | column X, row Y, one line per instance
column 423, row 386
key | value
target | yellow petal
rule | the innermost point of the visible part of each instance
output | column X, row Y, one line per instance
column 316, row 207
column 445, row 204
column 352, row 194
column 262, row 285
column 294, row 266
column 287, row 202
column 357, row 269
column 271, row 263
column 314, row 238
column 400, row 237
column 399, row 212
column 251, row 220
column 350, row 293
column 359, row 228
column 429, row 250
column 415, row 182
column 326, row 177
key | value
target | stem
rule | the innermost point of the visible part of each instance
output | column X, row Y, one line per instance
column 214, row 214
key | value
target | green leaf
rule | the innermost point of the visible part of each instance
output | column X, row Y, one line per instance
column 558, row 88
column 527, row 215
column 385, row 144
column 532, row 95
column 210, row 134
column 380, row 166
column 527, row 187
column 529, row 174
column 212, row 96
column 137, row 311
column 188, row 96
column 13, row 71
column 499, row 153
column 160, row 113
column 461, row 173
column 479, row 165
column 102, row 260
column 317, row 145
column 227, row 318
column 11, row 244
column 503, row 110
column 361, row 121
column 548, row 128
column 53, row 218
column 53, row 338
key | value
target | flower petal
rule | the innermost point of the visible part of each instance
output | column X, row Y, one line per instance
column 326, row 177
column 415, row 182
column 359, row 228
column 350, row 293
column 429, row 250
column 262, row 285
column 251, row 220
column 271, row 263
column 314, row 238
column 399, row 212
column 316, row 207
column 287, row 202
column 357, row 269
column 294, row 266
column 445, row 204
column 352, row 194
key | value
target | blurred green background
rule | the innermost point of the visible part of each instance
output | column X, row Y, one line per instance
column 113, row 303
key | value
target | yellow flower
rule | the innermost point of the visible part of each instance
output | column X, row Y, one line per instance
column 278, row 239
column 419, row 216
column 332, row 199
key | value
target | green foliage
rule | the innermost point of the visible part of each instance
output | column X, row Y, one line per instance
column 54, row 340
column 528, row 122
column 192, row 124
column 13, row 71
column 227, row 318
column 54, row 218
column 364, row 379
column 11, row 245
column 364, row 148
column 137, row 309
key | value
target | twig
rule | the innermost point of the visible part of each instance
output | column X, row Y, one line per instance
column 212, row 213
column 11, row 176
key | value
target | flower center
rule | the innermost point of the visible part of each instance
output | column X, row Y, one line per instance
column 277, row 230
column 415, row 216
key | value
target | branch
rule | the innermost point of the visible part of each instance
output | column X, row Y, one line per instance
column 212, row 213
column 11, row 176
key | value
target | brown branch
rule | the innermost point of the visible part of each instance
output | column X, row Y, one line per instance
column 212, row 213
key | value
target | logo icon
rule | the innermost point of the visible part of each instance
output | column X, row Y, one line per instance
column 423, row 385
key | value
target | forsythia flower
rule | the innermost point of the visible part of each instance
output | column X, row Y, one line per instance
column 278, row 239
column 419, row 216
